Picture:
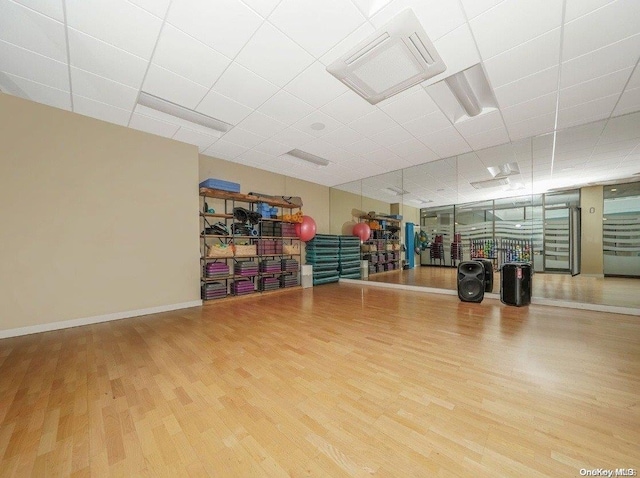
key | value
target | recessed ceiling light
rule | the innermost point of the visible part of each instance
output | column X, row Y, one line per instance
column 318, row 126
column 613, row 190
column 518, row 225
column 491, row 183
column 504, row 170
column 394, row 191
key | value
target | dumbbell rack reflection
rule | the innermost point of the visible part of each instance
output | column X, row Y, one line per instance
column 264, row 260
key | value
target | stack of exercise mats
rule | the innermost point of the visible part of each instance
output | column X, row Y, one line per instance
column 323, row 253
column 270, row 265
column 271, row 228
column 242, row 287
column 269, row 247
column 288, row 229
column 214, row 290
column 349, row 257
column 245, row 268
column 216, row 270
column 290, row 268
column 269, row 283
column 288, row 280
column 289, row 265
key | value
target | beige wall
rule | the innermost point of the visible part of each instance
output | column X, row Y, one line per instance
column 97, row 219
column 592, row 261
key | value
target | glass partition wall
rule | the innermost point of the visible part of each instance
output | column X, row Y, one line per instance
column 516, row 201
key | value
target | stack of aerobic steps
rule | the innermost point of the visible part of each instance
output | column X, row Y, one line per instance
column 323, row 255
column 349, row 257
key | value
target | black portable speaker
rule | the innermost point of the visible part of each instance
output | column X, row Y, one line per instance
column 515, row 283
column 471, row 281
column 488, row 274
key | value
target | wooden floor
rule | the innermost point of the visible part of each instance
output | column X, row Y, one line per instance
column 338, row 380
column 615, row 291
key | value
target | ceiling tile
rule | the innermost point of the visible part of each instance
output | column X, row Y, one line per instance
column 621, row 128
column 373, row 123
column 348, row 107
column 634, row 81
column 273, row 148
column 292, row 137
column 531, row 127
column 438, row 17
column 220, row 107
column 584, row 112
column 478, row 124
column 273, row 56
column 514, row 22
column 363, row 147
column 428, row 124
column 263, row 7
column 37, row 92
column 533, row 86
column 473, row 8
column 349, row 42
column 629, row 102
column 189, row 136
column 101, row 111
column 420, row 157
column 609, row 24
column 316, row 26
column 614, row 57
column 577, row 8
column 243, row 137
column 316, row 86
column 262, row 125
column 116, row 22
column 184, row 55
column 171, row 87
column 254, row 158
column 446, row 142
column 105, row 60
column 370, row 7
column 224, row 150
column 394, row 135
column 342, row 137
column 530, row 109
column 307, row 123
column 30, row 30
column 458, row 51
column 285, row 108
column 408, row 148
column 26, row 64
column 489, row 138
column 156, row 7
column 103, row 90
column 152, row 125
column 606, row 85
column 224, row 25
column 325, row 150
column 50, row 8
column 245, row 87
column 525, row 59
column 410, row 107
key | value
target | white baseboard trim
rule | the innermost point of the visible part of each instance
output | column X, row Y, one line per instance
column 34, row 329
column 535, row 300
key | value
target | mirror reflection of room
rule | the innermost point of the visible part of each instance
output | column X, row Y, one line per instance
column 522, row 201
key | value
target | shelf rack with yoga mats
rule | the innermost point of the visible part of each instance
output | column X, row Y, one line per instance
column 246, row 247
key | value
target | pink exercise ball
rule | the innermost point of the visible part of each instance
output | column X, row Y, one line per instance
column 306, row 230
column 362, row 230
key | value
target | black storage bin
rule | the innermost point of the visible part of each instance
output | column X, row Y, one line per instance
column 515, row 283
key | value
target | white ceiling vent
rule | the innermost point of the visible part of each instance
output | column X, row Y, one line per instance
column 394, row 58
column 491, row 183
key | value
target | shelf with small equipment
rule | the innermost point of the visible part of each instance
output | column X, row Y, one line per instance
column 250, row 246
column 382, row 248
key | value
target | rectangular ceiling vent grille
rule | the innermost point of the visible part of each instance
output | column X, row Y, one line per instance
column 491, row 183
column 394, row 58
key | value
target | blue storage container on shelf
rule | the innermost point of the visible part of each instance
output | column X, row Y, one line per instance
column 212, row 183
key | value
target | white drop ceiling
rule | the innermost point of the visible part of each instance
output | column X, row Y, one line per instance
column 260, row 66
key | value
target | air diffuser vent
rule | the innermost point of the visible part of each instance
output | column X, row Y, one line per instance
column 491, row 183
column 394, row 58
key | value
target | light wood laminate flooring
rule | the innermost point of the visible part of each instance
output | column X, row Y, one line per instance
column 338, row 380
column 616, row 291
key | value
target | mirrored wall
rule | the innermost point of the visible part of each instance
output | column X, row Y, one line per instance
column 516, row 201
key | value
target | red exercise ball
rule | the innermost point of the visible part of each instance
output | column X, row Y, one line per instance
column 362, row 230
column 306, row 230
